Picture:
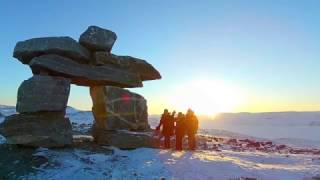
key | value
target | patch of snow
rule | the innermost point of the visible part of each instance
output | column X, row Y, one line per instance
column 1, row 119
column 2, row 139
column 79, row 164
column 270, row 118
column 296, row 142
column 71, row 110
column 136, row 133
column 81, row 117
column 7, row 110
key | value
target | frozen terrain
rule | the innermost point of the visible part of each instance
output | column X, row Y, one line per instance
column 224, row 153
column 147, row 163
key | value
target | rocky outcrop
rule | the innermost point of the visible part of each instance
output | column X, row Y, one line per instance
column 45, row 129
column 126, row 139
column 64, row 46
column 84, row 75
column 98, row 39
column 43, row 93
column 116, row 108
column 141, row 67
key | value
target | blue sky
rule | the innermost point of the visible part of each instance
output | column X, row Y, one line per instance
column 268, row 49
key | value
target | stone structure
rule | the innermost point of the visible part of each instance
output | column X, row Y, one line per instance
column 82, row 74
column 98, row 39
column 42, row 101
column 127, row 139
column 116, row 108
column 64, row 46
column 45, row 129
column 121, row 117
column 43, row 93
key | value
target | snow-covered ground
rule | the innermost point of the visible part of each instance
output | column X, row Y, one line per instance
column 222, row 163
column 145, row 163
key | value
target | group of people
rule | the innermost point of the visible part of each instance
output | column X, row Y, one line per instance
column 180, row 125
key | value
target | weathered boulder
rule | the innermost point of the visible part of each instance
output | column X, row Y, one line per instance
column 98, row 39
column 124, row 139
column 43, row 93
column 82, row 74
column 117, row 108
column 64, row 46
column 145, row 70
column 45, row 129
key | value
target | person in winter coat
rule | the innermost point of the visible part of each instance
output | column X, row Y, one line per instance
column 192, row 128
column 166, row 127
column 180, row 130
column 171, row 123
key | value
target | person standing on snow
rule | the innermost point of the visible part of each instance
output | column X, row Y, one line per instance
column 180, row 130
column 191, row 128
column 165, row 122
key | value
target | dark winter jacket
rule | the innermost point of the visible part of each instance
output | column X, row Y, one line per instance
column 191, row 124
column 180, row 128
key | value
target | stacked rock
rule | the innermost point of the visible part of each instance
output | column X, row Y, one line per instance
column 57, row 62
column 41, row 102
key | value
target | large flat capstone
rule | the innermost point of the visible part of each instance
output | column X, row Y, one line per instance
column 64, row 46
column 43, row 93
column 117, row 108
column 83, row 74
column 45, row 129
column 141, row 67
column 98, row 39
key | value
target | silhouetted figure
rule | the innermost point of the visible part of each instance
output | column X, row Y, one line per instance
column 165, row 122
column 192, row 128
column 180, row 130
column 171, row 123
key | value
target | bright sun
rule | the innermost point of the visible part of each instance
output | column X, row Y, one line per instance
column 206, row 97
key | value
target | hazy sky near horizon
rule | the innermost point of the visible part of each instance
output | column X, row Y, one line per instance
column 265, row 54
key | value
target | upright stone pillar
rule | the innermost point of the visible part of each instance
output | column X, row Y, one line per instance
column 121, row 118
column 116, row 108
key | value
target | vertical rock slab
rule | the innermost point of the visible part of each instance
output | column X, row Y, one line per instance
column 116, row 108
column 45, row 129
column 98, row 39
column 43, row 93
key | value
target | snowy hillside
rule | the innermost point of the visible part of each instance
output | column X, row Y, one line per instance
column 148, row 164
column 270, row 118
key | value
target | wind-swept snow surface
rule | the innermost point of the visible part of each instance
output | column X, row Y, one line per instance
column 148, row 164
